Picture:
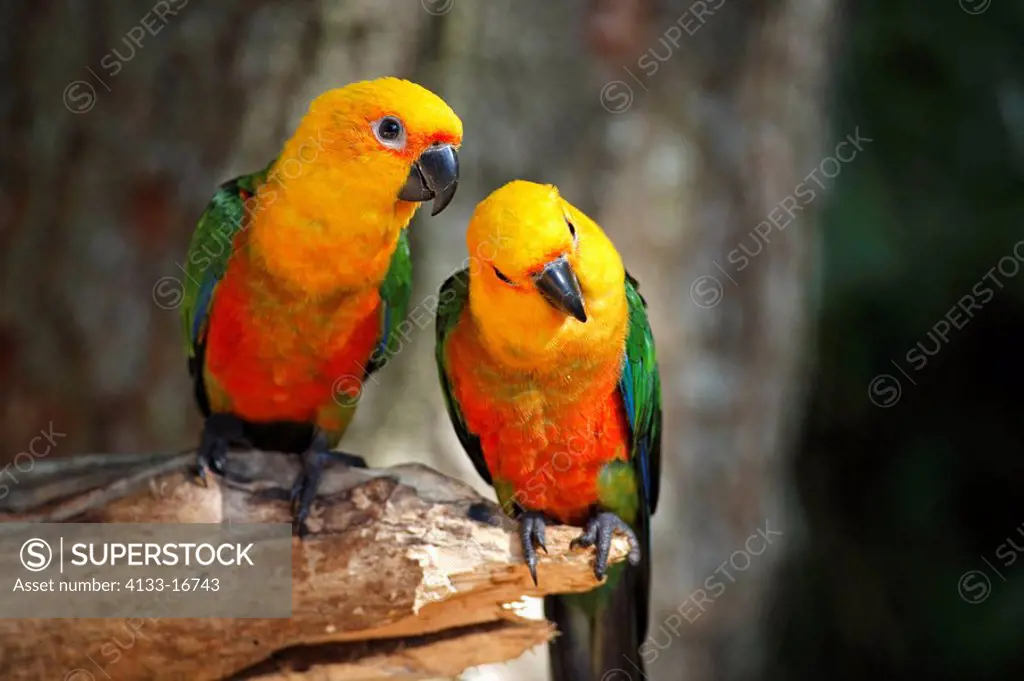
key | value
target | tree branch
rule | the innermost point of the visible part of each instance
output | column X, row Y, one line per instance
column 394, row 582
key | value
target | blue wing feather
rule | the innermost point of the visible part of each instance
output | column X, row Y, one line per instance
column 205, row 295
column 209, row 252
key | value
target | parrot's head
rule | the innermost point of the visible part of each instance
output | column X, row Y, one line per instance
column 349, row 180
column 542, row 273
column 400, row 137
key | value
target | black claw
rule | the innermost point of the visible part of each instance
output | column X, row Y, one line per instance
column 531, row 534
column 200, row 472
column 484, row 512
column 599, row 531
column 314, row 462
column 346, row 459
column 586, row 539
column 220, row 431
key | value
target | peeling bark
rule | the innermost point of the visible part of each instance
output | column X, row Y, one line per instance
column 395, row 581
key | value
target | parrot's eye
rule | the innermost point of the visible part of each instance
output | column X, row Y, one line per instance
column 503, row 277
column 390, row 128
column 572, row 230
column 389, row 132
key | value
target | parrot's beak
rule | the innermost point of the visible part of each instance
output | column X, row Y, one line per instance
column 559, row 286
column 434, row 175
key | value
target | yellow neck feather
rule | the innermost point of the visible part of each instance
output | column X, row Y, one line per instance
column 324, row 221
column 523, row 331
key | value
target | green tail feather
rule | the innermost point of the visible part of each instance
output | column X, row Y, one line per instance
column 601, row 631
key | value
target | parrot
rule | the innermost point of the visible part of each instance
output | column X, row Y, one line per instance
column 548, row 370
column 298, row 275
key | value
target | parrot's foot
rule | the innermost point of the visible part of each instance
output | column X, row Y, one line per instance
column 314, row 462
column 485, row 512
column 219, row 432
column 346, row 459
column 531, row 534
column 600, row 530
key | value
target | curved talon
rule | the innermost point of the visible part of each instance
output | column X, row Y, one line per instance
column 219, row 431
column 532, row 532
column 314, row 463
column 205, row 460
column 599, row 530
column 484, row 512
column 212, row 454
column 346, row 459
column 304, row 489
column 587, row 539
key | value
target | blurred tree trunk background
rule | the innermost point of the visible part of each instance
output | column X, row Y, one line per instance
column 682, row 127
column 117, row 136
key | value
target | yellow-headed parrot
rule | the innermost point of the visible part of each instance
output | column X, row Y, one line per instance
column 547, row 364
column 299, row 274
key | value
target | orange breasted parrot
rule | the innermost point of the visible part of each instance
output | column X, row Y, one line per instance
column 299, row 274
column 548, row 369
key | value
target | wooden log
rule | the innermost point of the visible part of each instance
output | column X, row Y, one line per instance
column 395, row 580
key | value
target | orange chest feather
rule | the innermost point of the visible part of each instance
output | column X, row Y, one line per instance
column 277, row 357
column 545, row 435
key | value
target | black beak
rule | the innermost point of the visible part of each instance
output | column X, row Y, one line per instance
column 557, row 283
column 434, row 175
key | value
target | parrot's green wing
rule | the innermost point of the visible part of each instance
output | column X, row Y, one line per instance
column 208, row 254
column 630, row 488
column 394, row 294
column 452, row 301
column 601, row 629
column 640, row 387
